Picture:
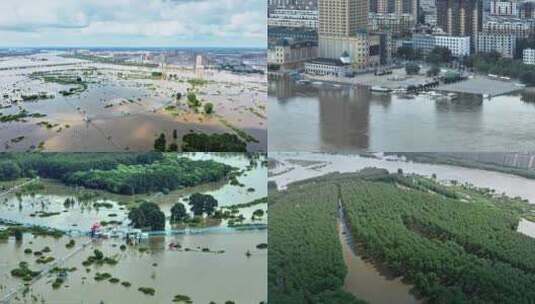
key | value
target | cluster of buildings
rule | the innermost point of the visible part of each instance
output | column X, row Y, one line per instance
column 343, row 36
column 343, row 41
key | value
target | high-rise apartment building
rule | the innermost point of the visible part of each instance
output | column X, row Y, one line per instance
column 343, row 32
column 460, row 17
column 343, row 18
column 398, row 7
column 503, row 8
column 293, row 4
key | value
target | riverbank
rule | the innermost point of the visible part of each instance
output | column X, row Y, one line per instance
column 448, row 159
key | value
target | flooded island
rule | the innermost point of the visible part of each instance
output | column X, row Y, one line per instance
column 133, row 227
column 383, row 228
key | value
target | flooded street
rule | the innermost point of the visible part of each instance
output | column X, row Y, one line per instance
column 122, row 108
column 328, row 118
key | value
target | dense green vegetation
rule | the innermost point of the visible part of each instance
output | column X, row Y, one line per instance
column 167, row 174
column 61, row 165
column 455, row 244
column 124, row 173
column 225, row 142
column 454, row 251
column 305, row 257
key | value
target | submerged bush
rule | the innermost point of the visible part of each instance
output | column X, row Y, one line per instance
column 147, row 290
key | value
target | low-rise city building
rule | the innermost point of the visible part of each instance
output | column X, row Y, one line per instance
column 357, row 47
column 458, row 45
column 505, row 44
column 528, row 56
column 327, row 67
column 290, row 55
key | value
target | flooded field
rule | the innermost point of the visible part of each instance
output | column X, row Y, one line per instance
column 228, row 261
column 54, row 103
column 328, row 118
column 151, row 264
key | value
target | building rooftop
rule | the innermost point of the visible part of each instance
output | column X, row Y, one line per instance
column 328, row 61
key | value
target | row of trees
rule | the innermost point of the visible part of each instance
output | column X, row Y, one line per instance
column 149, row 216
column 305, row 256
column 453, row 251
column 201, row 142
column 200, row 205
column 455, row 244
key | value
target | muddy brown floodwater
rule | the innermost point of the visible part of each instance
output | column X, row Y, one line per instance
column 123, row 108
column 365, row 281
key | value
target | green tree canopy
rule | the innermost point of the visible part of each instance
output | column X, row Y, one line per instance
column 202, row 204
column 147, row 216
column 178, row 213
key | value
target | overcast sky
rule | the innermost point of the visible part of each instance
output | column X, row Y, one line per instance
column 133, row 23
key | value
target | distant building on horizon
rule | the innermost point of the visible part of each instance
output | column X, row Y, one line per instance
column 292, row 5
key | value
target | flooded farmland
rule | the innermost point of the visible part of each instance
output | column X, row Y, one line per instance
column 170, row 272
column 51, row 102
